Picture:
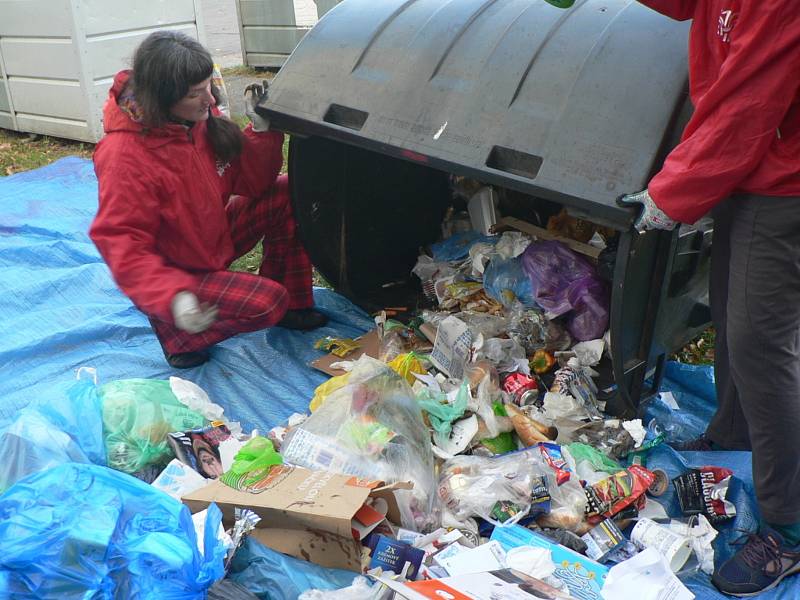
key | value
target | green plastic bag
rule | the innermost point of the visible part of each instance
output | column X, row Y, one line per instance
column 137, row 416
column 252, row 464
column 598, row 460
column 441, row 414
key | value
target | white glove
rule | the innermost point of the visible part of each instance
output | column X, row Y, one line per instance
column 191, row 316
column 254, row 94
column 651, row 216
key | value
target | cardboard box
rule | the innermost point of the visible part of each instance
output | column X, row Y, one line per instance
column 369, row 345
column 313, row 515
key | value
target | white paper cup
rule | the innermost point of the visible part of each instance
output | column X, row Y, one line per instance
column 675, row 548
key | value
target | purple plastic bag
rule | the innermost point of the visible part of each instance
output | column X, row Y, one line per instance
column 566, row 284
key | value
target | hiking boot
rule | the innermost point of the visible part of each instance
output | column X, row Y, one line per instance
column 762, row 563
column 187, row 360
column 180, row 360
column 700, row 444
column 302, row 319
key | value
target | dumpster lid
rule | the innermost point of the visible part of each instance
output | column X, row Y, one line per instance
column 571, row 105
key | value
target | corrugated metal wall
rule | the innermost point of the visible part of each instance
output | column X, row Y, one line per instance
column 58, row 57
column 270, row 29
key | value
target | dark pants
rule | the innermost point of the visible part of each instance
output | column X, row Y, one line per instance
column 755, row 305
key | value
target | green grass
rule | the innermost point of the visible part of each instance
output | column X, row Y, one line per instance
column 699, row 351
column 22, row 152
column 244, row 71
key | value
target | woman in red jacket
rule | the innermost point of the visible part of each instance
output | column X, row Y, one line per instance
column 183, row 193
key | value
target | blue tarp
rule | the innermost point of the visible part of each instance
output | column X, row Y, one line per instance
column 61, row 310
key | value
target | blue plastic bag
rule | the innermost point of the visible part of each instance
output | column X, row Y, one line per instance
column 271, row 575
column 686, row 404
column 457, row 246
column 83, row 531
column 46, row 434
column 507, row 282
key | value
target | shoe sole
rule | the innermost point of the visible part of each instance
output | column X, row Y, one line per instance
column 793, row 571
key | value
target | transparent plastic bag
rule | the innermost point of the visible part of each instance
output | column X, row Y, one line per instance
column 527, row 327
column 485, row 395
column 496, row 489
column 360, row 589
column 566, row 284
column 372, row 428
column 137, row 416
column 84, row 531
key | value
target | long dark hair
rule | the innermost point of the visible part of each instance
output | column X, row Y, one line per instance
column 165, row 66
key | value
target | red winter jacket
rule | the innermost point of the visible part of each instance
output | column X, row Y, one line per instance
column 744, row 136
column 161, row 221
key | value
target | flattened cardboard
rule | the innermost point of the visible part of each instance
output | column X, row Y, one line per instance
column 304, row 513
column 544, row 234
column 319, row 547
column 370, row 345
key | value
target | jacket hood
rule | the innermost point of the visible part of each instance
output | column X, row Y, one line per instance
column 115, row 118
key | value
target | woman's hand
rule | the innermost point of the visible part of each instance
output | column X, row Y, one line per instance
column 254, row 94
column 191, row 316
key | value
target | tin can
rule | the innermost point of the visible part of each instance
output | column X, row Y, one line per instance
column 522, row 388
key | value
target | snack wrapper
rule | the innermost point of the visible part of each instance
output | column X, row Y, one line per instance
column 704, row 491
column 611, row 495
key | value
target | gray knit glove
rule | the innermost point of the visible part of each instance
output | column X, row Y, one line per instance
column 254, row 94
column 651, row 216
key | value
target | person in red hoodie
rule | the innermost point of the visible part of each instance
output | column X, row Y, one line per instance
column 739, row 158
column 182, row 193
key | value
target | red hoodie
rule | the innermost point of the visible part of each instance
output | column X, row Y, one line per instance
column 744, row 136
column 161, row 222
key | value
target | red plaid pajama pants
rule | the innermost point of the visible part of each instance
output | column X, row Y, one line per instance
column 249, row 302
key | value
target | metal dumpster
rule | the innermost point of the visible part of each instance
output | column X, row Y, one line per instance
column 388, row 100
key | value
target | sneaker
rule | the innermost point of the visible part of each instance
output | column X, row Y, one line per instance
column 186, row 360
column 700, row 444
column 762, row 563
column 302, row 319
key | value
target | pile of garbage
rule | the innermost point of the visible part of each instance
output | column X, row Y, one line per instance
column 487, row 404
column 467, row 451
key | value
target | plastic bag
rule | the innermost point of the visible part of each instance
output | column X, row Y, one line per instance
column 83, row 531
column 406, row 365
column 326, row 388
column 137, row 416
column 371, row 428
column 608, row 437
column 47, row 434
column 193, row 397
column 251, row 464
column 563, row 282
column 595, row 460
column 485, row 397
column 271, row 575
column 441, row 413
column 507, row 282
column 506, row 355
column 497, row 489
column 360, row 589
column 528, row 328
column 229, row 590
column 457, row 246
